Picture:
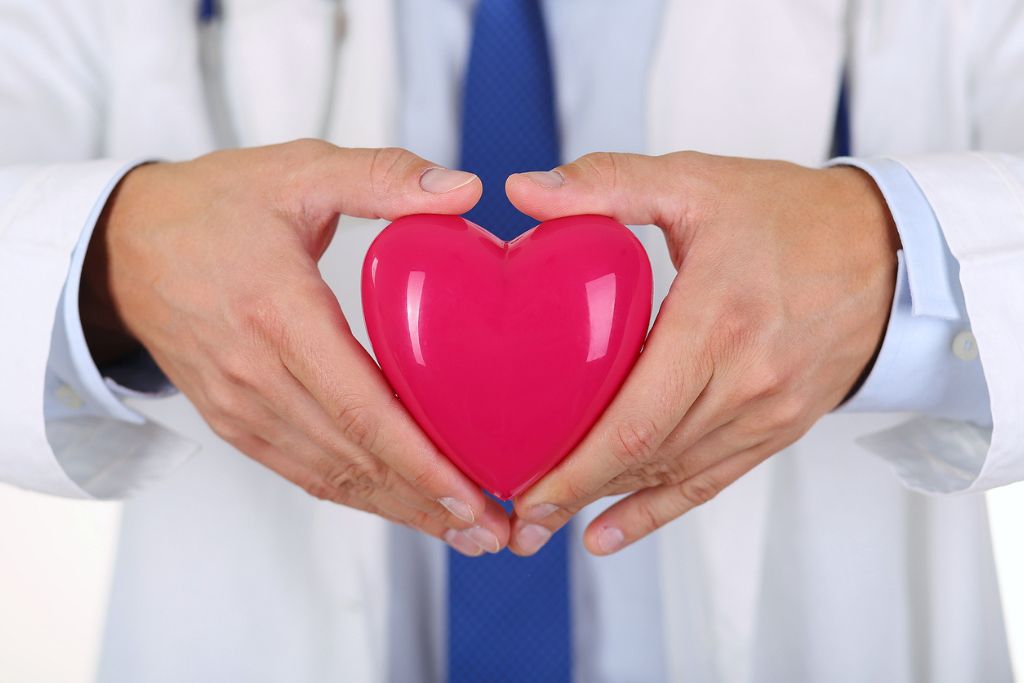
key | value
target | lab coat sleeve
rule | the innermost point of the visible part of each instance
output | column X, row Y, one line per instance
column 978, row 199
column 57, row 438
column 51, row 190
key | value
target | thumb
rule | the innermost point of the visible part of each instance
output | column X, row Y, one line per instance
column 383, row 183
column 631, row 188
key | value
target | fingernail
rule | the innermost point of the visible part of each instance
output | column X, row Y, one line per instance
column 609, row 539
column 532, row 538
column 463, row 543
column 537, row 512
column 484, row 538
column 441, row 180
column 550, row 180
column 458, row 508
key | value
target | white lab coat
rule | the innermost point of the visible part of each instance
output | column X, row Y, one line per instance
column 822, row 564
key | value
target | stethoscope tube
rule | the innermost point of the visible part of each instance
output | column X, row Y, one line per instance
column 211, row 65
column 208, row 10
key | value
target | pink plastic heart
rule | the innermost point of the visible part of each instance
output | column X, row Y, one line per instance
column 506, row 353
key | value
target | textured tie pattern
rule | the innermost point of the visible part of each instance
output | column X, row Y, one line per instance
column 508, row 617
column 508, row 113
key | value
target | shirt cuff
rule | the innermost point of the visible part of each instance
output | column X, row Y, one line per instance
column 98, row 390
column 928, row 362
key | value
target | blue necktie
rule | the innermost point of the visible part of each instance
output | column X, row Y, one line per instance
column 508, row 617
column 508, row 112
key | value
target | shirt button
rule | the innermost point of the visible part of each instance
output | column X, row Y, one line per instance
column 68, row 398
column 965, row 346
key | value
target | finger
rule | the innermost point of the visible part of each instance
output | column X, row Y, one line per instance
column 672, row 466
column 528, row 537
column 675, row 464
column 631, row 188
column 671, row 373
column 302, row 427
column 468, row 539
column 380, row 483
column 490, row 533
column 373, row 500
column 320, row 352
column 477, row 540
column 380, row 183
column 292, row 429
column 456, row 539
column 726, row 418
column 639, row 514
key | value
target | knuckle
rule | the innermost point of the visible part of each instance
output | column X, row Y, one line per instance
column 735, row 329
column 572, row 495
column 358, row 424
column 783, row 415
column 424, row 478
column 387, row 479
column 764, row 379
column 440, row 515
column 261, row 317
column 225, row 403
column 423, row 521
column 310, row 147
column 387, row 167
column 351, row 479
column 563, row 491
column 786, row 413
column 644, row 476
column 605, row 166
column 750, row 317
column 225, row 426
column 319, row 489
column 664, row 472
column 634, row 441
column 239, row 371
column 647, row 516
column 627, row 481
column 698, row 490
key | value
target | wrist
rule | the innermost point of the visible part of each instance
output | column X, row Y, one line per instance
column 107, row 333
column 872, row 241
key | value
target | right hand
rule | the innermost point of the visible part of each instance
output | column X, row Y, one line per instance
column 211, row 265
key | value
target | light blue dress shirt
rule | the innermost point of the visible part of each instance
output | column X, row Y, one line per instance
column 927, row 362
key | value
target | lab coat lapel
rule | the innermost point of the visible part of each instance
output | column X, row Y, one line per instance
column 277, row 59
column 286, row 61
column 365, row 101
column 729, row 75
column 726, row 77
column 157, row 107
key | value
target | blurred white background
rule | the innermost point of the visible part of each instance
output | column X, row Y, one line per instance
column 56, row 558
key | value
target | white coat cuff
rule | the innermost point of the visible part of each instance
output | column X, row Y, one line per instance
column 54, row 442
column 978, row 199
column 104, row 447
column 87, row 387
column 928, row 362
column 83, row 389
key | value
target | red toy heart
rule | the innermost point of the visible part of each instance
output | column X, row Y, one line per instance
column 506, row 353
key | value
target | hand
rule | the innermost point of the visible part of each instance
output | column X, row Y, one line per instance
column 211, row 265
column 784, row 285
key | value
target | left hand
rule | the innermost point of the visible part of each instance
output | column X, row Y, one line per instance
column 784, row 286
